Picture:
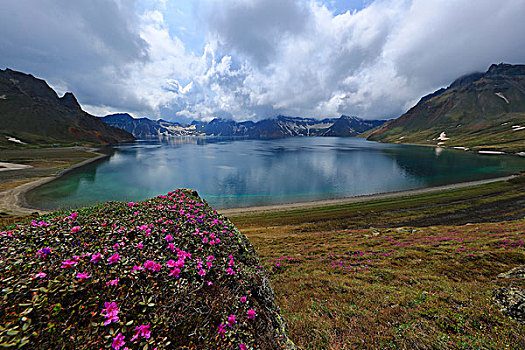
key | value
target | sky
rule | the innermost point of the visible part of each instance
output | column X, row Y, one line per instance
column 186, row 60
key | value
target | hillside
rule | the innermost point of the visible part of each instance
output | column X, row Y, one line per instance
column 278, row 127
column 31, row 113
column 480, row 111
column 408, row 282
column 167, row 273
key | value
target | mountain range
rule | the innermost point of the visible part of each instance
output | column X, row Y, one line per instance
column 32, row 113
column 484, row 111
column 281, row 126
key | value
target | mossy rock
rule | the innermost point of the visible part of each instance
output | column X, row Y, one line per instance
column 166, row 273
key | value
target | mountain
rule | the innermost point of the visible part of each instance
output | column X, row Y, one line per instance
column 279, row 127
column 32, row 113
column 144, row 128
column 479, row 110
column 351, row 126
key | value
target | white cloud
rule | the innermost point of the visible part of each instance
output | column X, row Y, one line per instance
column 259, row 57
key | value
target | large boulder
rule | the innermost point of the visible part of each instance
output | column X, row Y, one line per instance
column 166, row 273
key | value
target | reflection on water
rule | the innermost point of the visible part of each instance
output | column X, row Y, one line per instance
column 235, row 173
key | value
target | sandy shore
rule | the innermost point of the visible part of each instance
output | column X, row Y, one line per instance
column 13, row 200
column 358, row 199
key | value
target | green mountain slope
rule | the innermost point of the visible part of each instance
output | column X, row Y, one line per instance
column 480, row 111
column 31, row 112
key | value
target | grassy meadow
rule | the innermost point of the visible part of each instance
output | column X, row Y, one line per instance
column 408, row 283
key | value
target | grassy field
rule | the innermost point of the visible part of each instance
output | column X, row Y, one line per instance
column 407, row 283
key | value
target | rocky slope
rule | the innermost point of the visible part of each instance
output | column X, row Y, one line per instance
column 279, row 127
column 32, row 113
column 480, row 110
column 144, row 128
column 166, row 273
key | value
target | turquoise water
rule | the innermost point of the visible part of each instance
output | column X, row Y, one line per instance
column 240, row 173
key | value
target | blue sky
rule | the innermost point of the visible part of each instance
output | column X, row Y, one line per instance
column 253, row 59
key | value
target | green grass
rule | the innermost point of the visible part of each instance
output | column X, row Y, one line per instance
column 418, row 209
column 341, row 285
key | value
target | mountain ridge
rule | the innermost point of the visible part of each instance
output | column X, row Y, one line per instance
column 281, row 126
column 483, row 111
column 32, row 113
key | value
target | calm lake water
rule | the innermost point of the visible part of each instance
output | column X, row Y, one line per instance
column 240, row 173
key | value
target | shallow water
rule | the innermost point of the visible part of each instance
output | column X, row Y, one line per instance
column 240, row 173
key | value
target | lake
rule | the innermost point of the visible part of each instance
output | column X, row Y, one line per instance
column 241, row 173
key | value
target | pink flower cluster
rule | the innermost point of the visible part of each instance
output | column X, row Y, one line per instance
column 110, row 313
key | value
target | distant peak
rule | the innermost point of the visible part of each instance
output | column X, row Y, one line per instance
column 466, row 79
column 505, row 68
column 119, row 116
column 69, row 100
column 352, row 117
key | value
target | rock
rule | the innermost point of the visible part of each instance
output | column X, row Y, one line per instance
column 170, row 270
column 516, row 273
column 511, row 302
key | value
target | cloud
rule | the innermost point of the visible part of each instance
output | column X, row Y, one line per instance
column 253, row 59
column 375, row 62
column 77, row 46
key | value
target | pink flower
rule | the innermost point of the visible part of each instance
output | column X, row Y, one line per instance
column 152, row 265
column 231, row 320
column 68, row 263
column 242, row 346
column 243, row 299
column 139, row 245
column 169, row 238
column 202, row 272
column 96, row 258
column 114, row 258
column 142, row 331
column 110, row 312
column 205, row 240
column 112, row 282
column 230, row 271
column 251, row 313
column 40, row 275
column 175, row 272
column 75, row 229
column 222, row 329
column 171, row 263
column 118, row 341
column 83, row 275
column 137, row 268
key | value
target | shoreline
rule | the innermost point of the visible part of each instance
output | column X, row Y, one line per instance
column 357, row 199
column 13, row 200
